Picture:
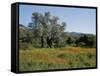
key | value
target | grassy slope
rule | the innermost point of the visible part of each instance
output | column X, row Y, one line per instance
column 56, row 58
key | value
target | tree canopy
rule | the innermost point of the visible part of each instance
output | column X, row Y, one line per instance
column 47, row 30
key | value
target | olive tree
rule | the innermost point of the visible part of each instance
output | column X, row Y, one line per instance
column 47, row 30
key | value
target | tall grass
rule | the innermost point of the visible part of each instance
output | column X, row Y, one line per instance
column 56, row 58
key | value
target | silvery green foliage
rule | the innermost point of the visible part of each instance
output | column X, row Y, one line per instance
column 47, row 30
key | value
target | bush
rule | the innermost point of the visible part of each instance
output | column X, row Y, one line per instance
column 25, row 46
column 62, row 55
column 81, row 44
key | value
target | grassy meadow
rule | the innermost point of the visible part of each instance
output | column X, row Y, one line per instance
column 36, row 59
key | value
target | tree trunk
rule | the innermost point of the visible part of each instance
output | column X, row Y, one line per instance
column 42, row 42
column 49, row 42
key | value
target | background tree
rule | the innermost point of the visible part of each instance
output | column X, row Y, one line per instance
column 87, row 40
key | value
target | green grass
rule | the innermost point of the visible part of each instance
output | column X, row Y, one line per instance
column 56, row 58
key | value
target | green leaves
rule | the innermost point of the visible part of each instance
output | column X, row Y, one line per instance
column 47, row 29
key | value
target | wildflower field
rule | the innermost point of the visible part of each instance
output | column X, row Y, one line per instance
column 56, row 58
